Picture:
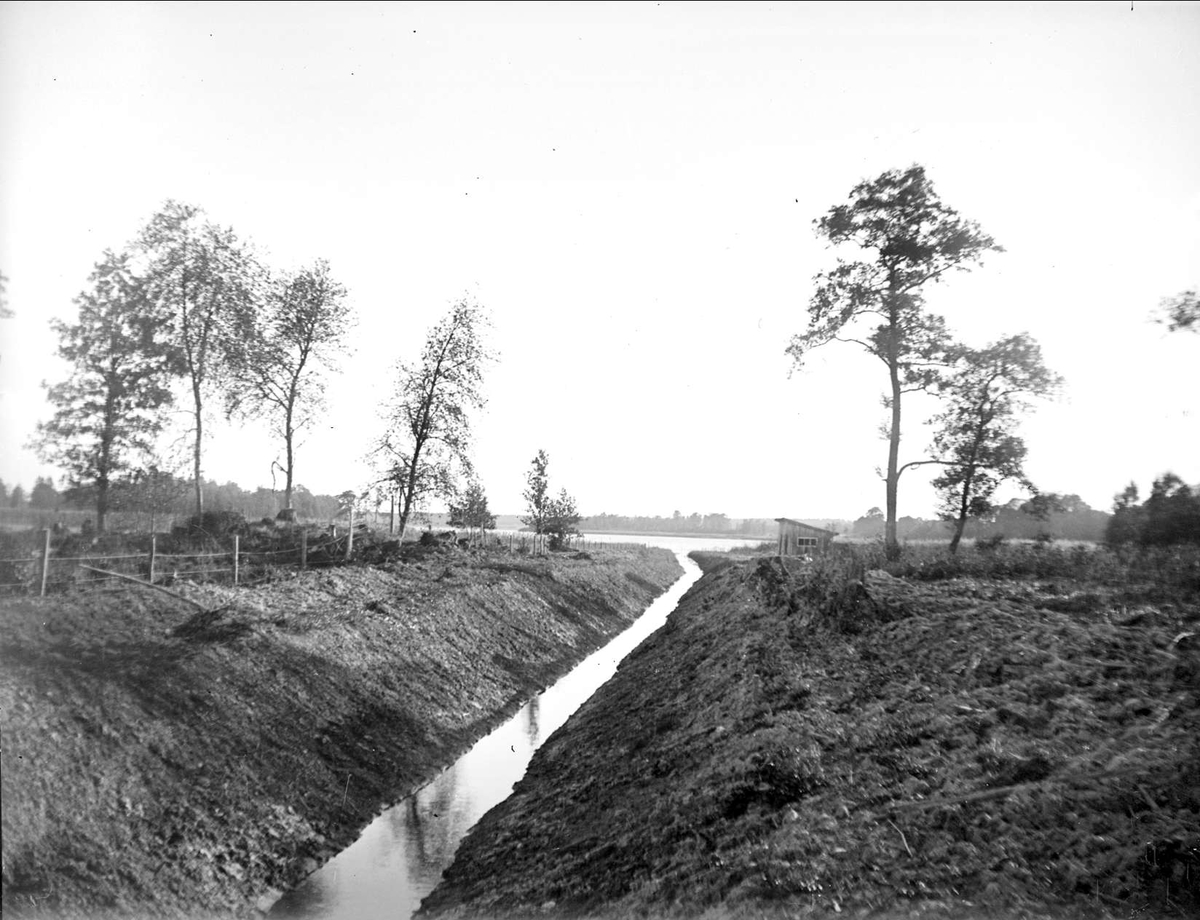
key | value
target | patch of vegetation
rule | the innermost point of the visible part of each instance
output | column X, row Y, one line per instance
column 831, row 739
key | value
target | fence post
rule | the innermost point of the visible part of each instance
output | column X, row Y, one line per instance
column 153, row 554
column 236, row 540
column 350, row 535
column 304, row 549
column 45, row 559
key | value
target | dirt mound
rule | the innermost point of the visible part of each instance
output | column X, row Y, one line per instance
column 795, row 745
column 165, row 761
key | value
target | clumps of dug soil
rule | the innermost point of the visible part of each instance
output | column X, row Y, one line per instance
column 793, row 744
column 168, row 757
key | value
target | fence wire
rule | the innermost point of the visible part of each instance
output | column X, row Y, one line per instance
column 39, row 574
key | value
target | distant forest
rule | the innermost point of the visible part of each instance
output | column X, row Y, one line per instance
column 1062, row 517
column 714, row 524
column 159, row 496
column 162, row 496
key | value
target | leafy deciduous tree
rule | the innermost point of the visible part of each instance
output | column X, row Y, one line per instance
column 537, row 493
column 1172, row 512
column 280, row 363
column 43, row 495
column 905, row 237
column 472, row 511
column 975, row 440
column 109, row 410
column 428, row 433
column 562, row 519
column 152, row 491
column 1180, row 312
column 205, row 281
column 1170, row 515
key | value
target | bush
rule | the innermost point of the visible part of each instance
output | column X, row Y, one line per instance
column 995, row 541
column 1171, row 515
column 214, row 524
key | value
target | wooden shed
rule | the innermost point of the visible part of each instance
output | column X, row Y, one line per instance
column 797, row 538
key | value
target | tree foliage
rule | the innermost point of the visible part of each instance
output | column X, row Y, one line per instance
column 975, row 439
column 151, row 491
column 472, row 512
column 1181, row 312
column 546, row 513
column 5, row 310
column 903, row 238
column 562, row 519
column 109, row 410
column 428, row 435
column 280, row 360
column 44, row 496
column 537, row 493
column 205, row 281
column 1171, row 514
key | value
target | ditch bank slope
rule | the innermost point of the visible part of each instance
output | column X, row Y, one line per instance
column 964, row 748
column 160, row 762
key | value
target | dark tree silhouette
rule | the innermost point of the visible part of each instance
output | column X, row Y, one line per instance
column 904, row 237
column 537, row 493
column 109, row 410
column 280, row 361
column 975, row 440
column 205, row 281
column 428, row 436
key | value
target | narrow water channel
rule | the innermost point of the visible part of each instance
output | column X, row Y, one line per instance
column 401, row 855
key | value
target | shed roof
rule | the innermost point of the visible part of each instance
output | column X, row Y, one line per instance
column 803, row 526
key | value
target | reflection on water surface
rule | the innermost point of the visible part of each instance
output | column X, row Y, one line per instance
column 401, row 855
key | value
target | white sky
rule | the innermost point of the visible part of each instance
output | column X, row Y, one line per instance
column 630, row 189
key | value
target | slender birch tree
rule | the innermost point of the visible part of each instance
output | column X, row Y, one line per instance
column 205, row 280
column 427, row 440
column 280, row 365
column 537, row 493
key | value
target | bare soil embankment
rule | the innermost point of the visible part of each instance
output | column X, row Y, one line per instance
column 958, row 748
column 162, row 762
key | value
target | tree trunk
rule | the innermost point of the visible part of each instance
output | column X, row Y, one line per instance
column 104, row 468
column 196, row 449
column 891, row 541
column 959, row 526
column 965, row 502
column 101, row 503
column 408, row 492
column 405, row 508
column 288, row 435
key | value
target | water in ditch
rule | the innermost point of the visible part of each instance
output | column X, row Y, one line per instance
column 401, row 855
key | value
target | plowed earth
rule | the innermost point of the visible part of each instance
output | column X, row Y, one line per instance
column 164, row 762
column 976, row 748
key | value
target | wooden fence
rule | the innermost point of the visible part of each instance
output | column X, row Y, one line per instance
column 43, row 570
